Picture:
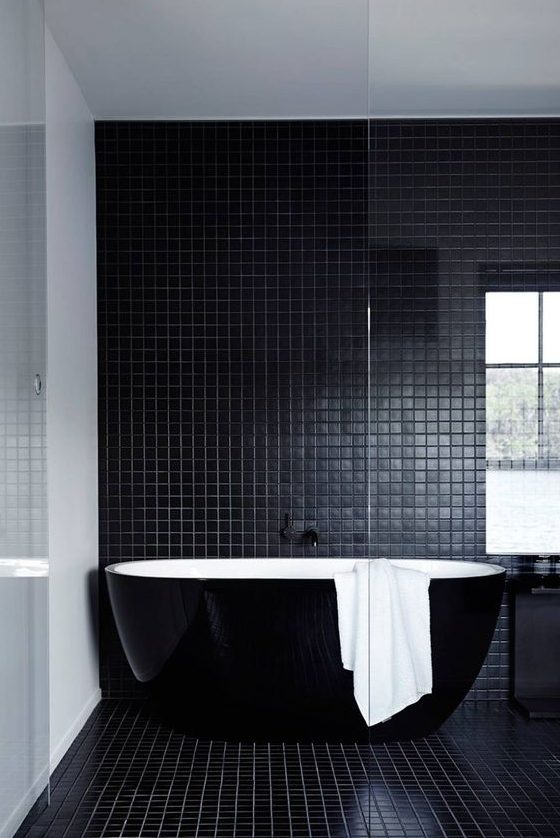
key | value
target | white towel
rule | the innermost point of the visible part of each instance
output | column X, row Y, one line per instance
column 384, row 626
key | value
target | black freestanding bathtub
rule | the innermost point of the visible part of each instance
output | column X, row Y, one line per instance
column 250, row 647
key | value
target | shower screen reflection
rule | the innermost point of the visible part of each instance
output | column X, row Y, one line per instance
column 523, row 422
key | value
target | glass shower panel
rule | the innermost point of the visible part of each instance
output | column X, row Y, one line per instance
column 24, row 706
column 371, row 423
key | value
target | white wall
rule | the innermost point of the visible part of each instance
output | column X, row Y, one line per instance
column 71, row 403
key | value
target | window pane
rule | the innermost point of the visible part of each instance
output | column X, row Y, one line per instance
column 551, row 423
column 512, row 327
column 511, row 414
column 523, row 511
column 551, row 327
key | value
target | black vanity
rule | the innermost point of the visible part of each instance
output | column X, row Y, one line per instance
column 536, row 676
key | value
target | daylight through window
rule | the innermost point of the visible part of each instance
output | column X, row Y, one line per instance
column 523, row 422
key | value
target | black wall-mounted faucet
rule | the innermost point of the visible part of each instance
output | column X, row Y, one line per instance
column 288, row 531
column 313, row 535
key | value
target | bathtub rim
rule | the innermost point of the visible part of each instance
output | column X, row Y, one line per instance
column 282, row 569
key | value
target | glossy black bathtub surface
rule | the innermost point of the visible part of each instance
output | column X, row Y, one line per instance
column 250, row 648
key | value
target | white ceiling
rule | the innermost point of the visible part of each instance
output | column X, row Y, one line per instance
column 466, row 57
column 241, row 59
column 215, row 58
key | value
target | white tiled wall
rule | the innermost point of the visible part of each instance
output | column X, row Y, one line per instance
column 23, row 531
column 24, row 695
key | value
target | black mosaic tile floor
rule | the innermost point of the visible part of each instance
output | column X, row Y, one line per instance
column 488, row 772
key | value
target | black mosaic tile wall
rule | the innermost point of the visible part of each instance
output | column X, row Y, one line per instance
column 233, row 342
column 451, row 204
column 233, row 283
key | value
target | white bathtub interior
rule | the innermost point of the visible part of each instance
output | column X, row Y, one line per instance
column 289, row 568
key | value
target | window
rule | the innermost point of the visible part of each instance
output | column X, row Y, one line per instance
column 523, row 422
